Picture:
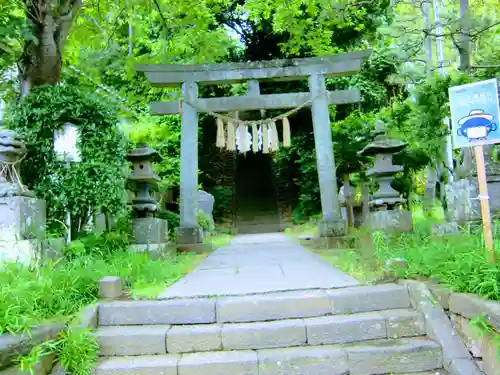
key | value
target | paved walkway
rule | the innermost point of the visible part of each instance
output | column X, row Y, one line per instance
column 260, row 263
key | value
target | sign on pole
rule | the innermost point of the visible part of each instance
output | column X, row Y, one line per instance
column 475, row 114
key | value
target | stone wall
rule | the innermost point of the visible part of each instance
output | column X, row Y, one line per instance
column 462, row 308
column 14, row 346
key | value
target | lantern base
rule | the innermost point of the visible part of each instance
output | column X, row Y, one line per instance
column 392, row 221
column 21, row 218
column 149, row 230
column 189, row 236
column 332, row 228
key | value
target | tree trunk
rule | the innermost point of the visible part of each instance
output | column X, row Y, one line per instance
column 41, row 61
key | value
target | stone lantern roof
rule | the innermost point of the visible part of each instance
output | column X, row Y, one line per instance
column 144, row 152
column 382, row 143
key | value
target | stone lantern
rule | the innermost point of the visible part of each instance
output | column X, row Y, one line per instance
column 386, row 204
column 148, row 230
column 12, row 151
column 22, row 216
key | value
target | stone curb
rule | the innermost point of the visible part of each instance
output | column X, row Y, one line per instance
column 456, row 358
column 13, row 346
column 467, row 305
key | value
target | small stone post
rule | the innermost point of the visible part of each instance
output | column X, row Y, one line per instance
column 332, row 224
column 386, row 212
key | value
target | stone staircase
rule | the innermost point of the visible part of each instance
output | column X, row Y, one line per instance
column 364, row 330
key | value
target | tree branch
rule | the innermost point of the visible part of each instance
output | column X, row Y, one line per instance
column 155, row 2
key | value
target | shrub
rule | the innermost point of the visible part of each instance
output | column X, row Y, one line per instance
column 85, row 188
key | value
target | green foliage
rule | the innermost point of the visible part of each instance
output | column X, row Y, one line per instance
column 172, row 218
column 425, row 128
column 296, row 167
column 162, row 134
column 319, row 26
column 222, row 200
column 350, row 136
column 483, row 328
column 77, row 350
column 85, row 188
column 204, row 221
column 57, row 290
column 460, row 262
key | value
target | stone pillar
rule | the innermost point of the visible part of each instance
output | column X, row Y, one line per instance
column 332, row 224
column 189, row 233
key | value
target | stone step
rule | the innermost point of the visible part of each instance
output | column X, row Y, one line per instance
column 369, row 358
column 255, row 308
column 256, row 229
column 340, row 329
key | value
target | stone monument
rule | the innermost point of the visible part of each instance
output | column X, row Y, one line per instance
column 22, row 216
column 150, row 233
column 386, row 204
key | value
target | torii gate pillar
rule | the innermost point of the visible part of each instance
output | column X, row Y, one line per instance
column 331, row 224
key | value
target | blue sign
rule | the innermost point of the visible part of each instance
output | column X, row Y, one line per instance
column 475, row 114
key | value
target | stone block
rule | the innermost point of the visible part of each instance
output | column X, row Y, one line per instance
column 273, row 306
column 461, row 206
column 345, row 329
column 150, row 230
column 52, row 248
column 332, row 228
column 188, row 236
column 438, row 326
column 464, row 367
column 140, row 365
column 394, row 356
column 22, row 218
column 263, row 335
column 404, row 323
column 110, row 287
column 470, row 339
column 188, row 311
column 132, row 340
column 324, row 360
column 472, row 306
column 42, row 367
column 27, row 252
column 392, row 221
column 368, row 298
column 11, row 347
column 491, row 359
column 194, row 338
column 57, row 370
column 199, row 248
column 87, row 317
column 219, row 363
column 445, row 228
column 155, row 250
column 442, row 295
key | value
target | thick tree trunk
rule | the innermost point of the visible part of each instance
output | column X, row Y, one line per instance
column 41, row 60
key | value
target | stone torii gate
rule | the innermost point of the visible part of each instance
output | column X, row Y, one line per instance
column 314, row 69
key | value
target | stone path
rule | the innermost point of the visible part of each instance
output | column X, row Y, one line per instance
column 260, row 263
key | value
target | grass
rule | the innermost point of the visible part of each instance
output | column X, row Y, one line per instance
column 307, row 229
column 218, row 240
column 57, row 291
column 458, row 261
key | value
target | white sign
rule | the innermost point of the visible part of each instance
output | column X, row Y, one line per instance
column 66, row 143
